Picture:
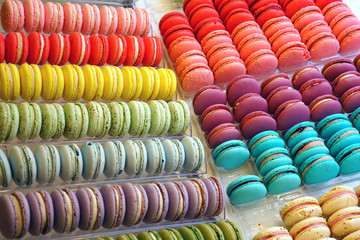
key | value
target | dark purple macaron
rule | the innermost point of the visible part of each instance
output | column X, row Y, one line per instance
column 9, row 215
column 345, row 81
column 39, row 224
column 291, row 113
column 178, row 201
column 280, row 95
column 214, row 116
column 324, row 106
column 60, row 199
column 334, row 68
column 273, row 82
column 114, row 202
column 158, row 202
column 315, row 88
column 216, row 196
column 222, row 133
column 207, row 96
column 241, row 85
column 256, row 122
column 350, row 100
column 249, row 103
column 90, row 218
column 198, row 198
column 305, row 74
column 136, row 204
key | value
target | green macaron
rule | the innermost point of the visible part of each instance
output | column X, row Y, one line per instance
column 157, row 115
column 120, row 119
column 211, row 231
column 127, row 236
column 76, row 120
column 191, row 233
column 137, row 113
column 230, row 230
column 177, row 118
column 9, row 121
column 149, row 235
column 99, row 119
column 170, row 234
column 53, row 121
column 30, row 121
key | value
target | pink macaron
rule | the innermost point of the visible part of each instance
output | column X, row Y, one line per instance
column 324, row 106
column 273, row 82
column 305, row 16
column 292, row 55
column 220, row 52
column 349, row 40
column 222, row 133
column 248, row 103
column 188, row 58
column 243, row 30
column 323, row 45
column 227, row 69
column 143, row 22
column 275, row 24
column 261, row 63
column 73, row 18
column 34, row 15
column 54, row 18
column 214, row 38
column 252, row 43
column 291, row 113
column 240, row 86
column 215, row 115
column 350, row 100
column 12, row 15
column 342, row 21
column 109, row 20
column 282, row 37
column 91, row 19
column 333, row 9
column 280, row 95
column 315, row 88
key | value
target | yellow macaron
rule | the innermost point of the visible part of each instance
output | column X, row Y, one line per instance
column 113, row 83
column 148, row 84
column 173, row 83
column 30, row 82
column 94, row 83
column 165, row 84
column 156, row 82
column 74, row 82
column 129, row 83
column 138, row 81
column 9, row 82
column 52, row 82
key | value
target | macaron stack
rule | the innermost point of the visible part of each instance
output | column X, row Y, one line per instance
column 90, row 208
column 52, row 17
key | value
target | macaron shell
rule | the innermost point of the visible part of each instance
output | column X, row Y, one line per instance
column 11, row 14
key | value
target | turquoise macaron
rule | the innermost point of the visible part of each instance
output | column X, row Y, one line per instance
column 94, row 160
column 5, row 179
column 245, row 189
column 9, row 121
column 354, row 118
column 264, row 141
column 329, row 125
column 272, row 158
column 342, row 139
column 231, row 154
column 115, row 158
column 194, row 154
column 299, row 132
column 23, row 165
column 307, row 148
column 282, row 179
column 71, row 162
column 348, row 159
column 319, row 168
column 47, row 159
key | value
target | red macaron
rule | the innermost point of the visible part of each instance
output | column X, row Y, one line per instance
column 207, row 26
column 177, row 31
column 80, row 49
column 2, row 48
column 237, row 16
column 171, row 19
column 99, row 50
column 153, row 51
column 40, row 48
column 118, row 46
column 59, row 49
column 135, row 51
column 17, row 47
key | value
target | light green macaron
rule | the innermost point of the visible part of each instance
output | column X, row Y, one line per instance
column 53, row 121
column 127, row 236
column 149, row 235
column 230, row 230
column 210, row 231
column 76, row 120
column 30, row 121
column 170, row 234
column 120, row 119
column 99, row 119
column 9, row 121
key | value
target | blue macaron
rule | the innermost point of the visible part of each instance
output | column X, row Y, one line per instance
column 342, row 139
column 348, row 159
column 246, row 189
column 299, row 132
column 307, row 148
column 264, row 141
column 354, row 118
column 319, row 168
column 271, row 159
column 282, row 179
column 329, row 125
column 231, row 154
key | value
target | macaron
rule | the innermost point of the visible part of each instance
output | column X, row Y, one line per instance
column 127, row 236
column 313, row 29
column 251, row 44
column 60, row 48
column 5, row 181
column 245, row 189
column 94, row 83
column 136, row 150
column 80, row 49
column 52, row 82
column 180, row 117
column 231, row 154
column 352, row 236
column 271, row 159
column 315, row 88
column 30, row 121
column 236, row 17
column 228, row 69
column 243, row 30
column 323, row 45
column 170, row 19
column 53, row 121
column 12, row 16
column 262, row 120
column 329, row 125
column 214, row 116
column 222, row 133
column 356, row 62
column 240, row 86
column 213, row 38
column 210, row 231
column 305, row 16
column 174, row 154
column 198, row 13
column 94, row 160
column 54, row 17
column 159, row 110
column 2, row 48
column 314, row 227
column 345, row 81
column 135, row 51
column 114, row 205
column 196, row 76
column 275, row 24
column 15, row 220
column 283, row 36
column 349, row 99
column 194, row 154
column 114, row 158
column 324, row 106
column 199, row 197
column 153, row 51
column 47, row 160
column 155, row 155
column 74, row 82
column 273, row 82
column 143, row 22
column 299, row 132
column 75, row 129
column 342, row 21
column 344, row 221
column 349, row 39
column 10, row 80
column 178, row 200
column 136, row 203
column 176, row 31
column 307, row 148
column 304, row 75
column 140, row 115
column 91, row 19
column 271, row 232
column 30, row 81
column 99, row 119
column 293, row 55
column 34, row 15
column 17, row 47
column 207, row 96
column 187, row 58
column 337, row 198
column 261, row 64
column 67, row 210
column 342, row 139
column 265, row 141
column 127, row 16
column 191, row 232
column 229, row 229
column 221, row 51
column 41, row 212
column 73, row 18
column 300, row 209
column 248, row 103
column 319, row 168
column 9, row 121
column 151, row 234
column 108, row 20
column 99, row 52
column 216, row 196
column 40, row 48
column 71, row 162
column 332, row 9
column 158, row 202
column 267, row 12
column 354, row 118
column 336, row 67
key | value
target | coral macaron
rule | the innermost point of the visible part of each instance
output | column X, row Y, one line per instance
column 80, row 49
column 118, row 45
column 99, row 50
column 12, row 15
column 108, row 20
column 54, row 17
column 40, row 48
column 59, row 49
column 17, row 47
column 135, row 51
column 73, row 18
column 91, row 17
column 34, row 15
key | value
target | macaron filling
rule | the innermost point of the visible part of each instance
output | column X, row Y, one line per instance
column 279, row 174
column 136, row 48
column 316, row 161
column 337, row 220
column 262, row 139
column 69, row 211
column 155, row 51
column 20, row 46
column 318, row 224
column 83, row 44
column 182, row 202
column 121, row 49
column 62, row 50
column 160, row 202
column 42, row 42
column 37, row 15
column 11, row 80
column 303, row 205
column 75, row 16
column 309, row 145
column 19, row 217
column 320, row 102
column 42, row 207
column 93, row 207
column 118, row 208
column 139, row 197
column 332, row 196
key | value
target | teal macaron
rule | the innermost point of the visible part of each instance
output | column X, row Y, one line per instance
column 348, row 159
column 170, row 234
column 299, row 132
column 319, row 168
column 9, row 121
column 272, row 158
column 354, row 118
column 47, row 159
column 120, row 119
column 211, row 231
column 115, row 158
column 23, row 165
column 149, row 235
column 174, row 154
column 231, row 154
column 342, row 139
column 307, row 148
column 71, row 162
column 264, row 141
column 94, row 160
column 329, row 125
column 191, row 233
column 245, row 189
column 5, row 179
column 156, row 156
column 282, row 179
column 194, row 154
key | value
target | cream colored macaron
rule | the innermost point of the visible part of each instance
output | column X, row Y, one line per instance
column 344, row 222
column 273, row 233
column 310, row 228
column 337, row 198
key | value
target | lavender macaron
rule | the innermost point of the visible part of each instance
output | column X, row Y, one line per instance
column 114, row 203
column 178, row 201
column 158, row 202
column 198, row 198
column 136, row 203
column 216, row 196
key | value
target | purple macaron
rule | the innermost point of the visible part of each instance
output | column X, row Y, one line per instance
column 136, row 203
column 345, row 81
column 114, row 202
column 273, row 82
column 305, row 74
column 39, row 224
column 315, row 88
column 324, row 106
column 215, row 115
column 198, row 198
column 216, row 196
column 62, row 222
column 240, row 86
column 248, row 103
column 280, row 95
column 207, row 96
column 256, row 122
column 222, row 133
column 291, row 113
column 8, row 218
column 350, row 100
column 178, row 201
column 338, row 66
column 158, row 202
